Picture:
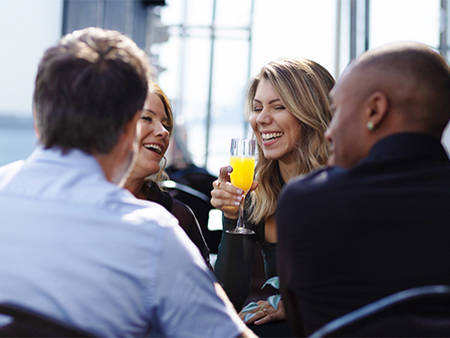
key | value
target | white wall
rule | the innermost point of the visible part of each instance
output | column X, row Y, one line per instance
column 27, row 28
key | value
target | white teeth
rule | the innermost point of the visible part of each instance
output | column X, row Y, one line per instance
column 155, row 147
column 268, row 136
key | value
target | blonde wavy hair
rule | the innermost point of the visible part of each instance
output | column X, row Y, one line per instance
column 303, row 86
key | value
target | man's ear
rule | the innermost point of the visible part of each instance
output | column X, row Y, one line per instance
column 36, row 130
column 377, row 108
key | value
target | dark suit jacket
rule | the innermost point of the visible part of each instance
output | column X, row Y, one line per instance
column 349, row 237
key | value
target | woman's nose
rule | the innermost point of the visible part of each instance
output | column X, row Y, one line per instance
column 263, row 117
column 161, row 130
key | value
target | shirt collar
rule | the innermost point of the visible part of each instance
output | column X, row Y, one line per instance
column 75, row 158
column 406, row 145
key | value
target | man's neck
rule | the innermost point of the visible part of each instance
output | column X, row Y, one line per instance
column 107, row 163
column 114, row 166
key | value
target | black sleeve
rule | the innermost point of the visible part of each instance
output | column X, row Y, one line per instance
column 305, row 230
column 286, row 215
column 234, row 263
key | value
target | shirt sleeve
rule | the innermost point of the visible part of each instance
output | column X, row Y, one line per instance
column 187, row 304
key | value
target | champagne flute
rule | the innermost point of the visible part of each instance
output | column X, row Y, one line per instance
column 243, row 162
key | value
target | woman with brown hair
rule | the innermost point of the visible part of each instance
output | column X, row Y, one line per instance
column 154, row 129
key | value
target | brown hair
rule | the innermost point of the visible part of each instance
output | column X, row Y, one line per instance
column 87, row 88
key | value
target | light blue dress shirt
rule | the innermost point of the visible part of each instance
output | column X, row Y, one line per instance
column 76, row 247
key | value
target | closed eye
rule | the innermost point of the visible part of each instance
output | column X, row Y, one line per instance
column 147, row 118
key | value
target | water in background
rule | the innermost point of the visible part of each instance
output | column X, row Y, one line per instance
column 17, row 139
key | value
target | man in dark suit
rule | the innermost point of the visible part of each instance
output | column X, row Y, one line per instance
column 378, row 220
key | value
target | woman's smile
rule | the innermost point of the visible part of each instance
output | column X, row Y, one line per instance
column 270, row 138
column 155, row 147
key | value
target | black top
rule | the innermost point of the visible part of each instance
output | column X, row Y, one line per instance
column 349, row 237
column 183, row 214
column 236, row 258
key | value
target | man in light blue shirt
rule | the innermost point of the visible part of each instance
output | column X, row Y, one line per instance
column 73, row 244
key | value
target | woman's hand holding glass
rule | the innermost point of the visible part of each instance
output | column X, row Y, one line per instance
column 225, row 196
column 230, row 197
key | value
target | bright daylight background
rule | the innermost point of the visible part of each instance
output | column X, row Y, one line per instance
column 280, row 28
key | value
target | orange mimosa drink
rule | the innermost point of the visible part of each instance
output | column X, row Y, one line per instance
column 243, row 170
column 242, row 151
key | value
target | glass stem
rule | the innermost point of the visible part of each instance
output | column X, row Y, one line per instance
column 240, row 222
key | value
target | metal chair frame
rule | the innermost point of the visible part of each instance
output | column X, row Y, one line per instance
column 385, row 303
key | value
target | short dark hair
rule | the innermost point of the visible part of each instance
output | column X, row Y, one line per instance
column 426, row 74
column 87, row 88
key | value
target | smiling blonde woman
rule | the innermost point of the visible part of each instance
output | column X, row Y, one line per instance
column 289, row 111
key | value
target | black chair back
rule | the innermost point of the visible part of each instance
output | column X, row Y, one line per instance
column 199, row 202
column 30, row 323
column 417, row 312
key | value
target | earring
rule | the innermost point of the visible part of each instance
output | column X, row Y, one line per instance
column 370, row 125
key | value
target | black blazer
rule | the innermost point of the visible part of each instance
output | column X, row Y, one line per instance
column 349, row 237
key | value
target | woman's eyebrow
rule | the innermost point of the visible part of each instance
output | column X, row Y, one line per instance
column 149, row 111
column 270, row 102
